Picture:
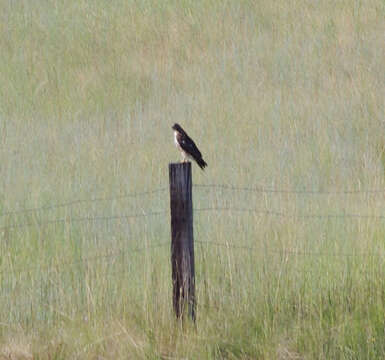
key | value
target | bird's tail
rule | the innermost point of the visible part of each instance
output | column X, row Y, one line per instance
column 202, row 164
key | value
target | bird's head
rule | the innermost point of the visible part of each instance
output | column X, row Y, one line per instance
column 177, row 127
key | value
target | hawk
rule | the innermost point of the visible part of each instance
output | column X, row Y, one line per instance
column 187, row 147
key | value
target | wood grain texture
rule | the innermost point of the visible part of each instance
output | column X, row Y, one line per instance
column 182, row 239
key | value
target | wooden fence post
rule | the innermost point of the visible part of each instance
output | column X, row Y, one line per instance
column 182, row 239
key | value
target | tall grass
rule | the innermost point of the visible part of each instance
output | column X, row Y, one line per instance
column 284, row 95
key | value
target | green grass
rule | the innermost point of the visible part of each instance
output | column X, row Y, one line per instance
column 283, row 95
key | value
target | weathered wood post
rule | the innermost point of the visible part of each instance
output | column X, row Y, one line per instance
column 182, row 239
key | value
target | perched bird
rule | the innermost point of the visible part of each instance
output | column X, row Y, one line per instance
column 187, row 147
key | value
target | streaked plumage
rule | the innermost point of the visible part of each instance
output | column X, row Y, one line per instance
column 187, row 146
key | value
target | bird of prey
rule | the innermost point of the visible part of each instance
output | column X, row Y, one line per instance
column 187, row 147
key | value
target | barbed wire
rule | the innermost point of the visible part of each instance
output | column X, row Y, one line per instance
column 50, row 268
column 114, row 254
column 66, row 264
column 259, row 189
column 83, row 260
column 224, row 209
column 262, row 189
column 292, row 216
column 164, row 189
column 81, row 201
column 82, row 219
column 290, row 252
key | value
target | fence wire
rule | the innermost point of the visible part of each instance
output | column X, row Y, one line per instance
column 261, row 189
column 83, row 260
column 68, row 264
column 291, row 216
column 83, row 219
column 258, row 212
column 83, row 201
column 290, row 252
column 230, row 209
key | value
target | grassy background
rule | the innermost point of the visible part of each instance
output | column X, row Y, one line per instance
column 285, row 95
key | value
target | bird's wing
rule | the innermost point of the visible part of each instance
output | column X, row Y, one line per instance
column 188, row 145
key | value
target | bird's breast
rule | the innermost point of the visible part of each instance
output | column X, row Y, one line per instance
column 176, row 139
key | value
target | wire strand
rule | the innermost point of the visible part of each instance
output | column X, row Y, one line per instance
column 81, row 201
column 288, row 191
column 82, row 219
column 289, row 252
column 85, row 260
column 295, row 216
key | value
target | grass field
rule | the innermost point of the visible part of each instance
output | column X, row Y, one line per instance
column 284, row 95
